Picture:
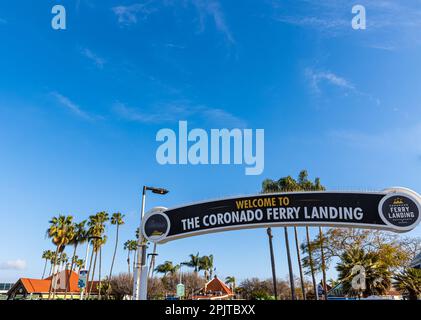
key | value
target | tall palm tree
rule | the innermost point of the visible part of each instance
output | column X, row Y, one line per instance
column 408, row 282
column 130, row 246
column 80, row 236
column 310, row 257
column 96, row 229
column 289, row 184
column 61, row 234
column 194, row 262
column 47, row 255
column 231, row 281
column 117, row 220
column 79, row 263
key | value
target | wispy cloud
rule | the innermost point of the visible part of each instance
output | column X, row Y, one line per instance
column 176, row 111
column 316, row 78
column 97, row 60
column 394, row 22
column 13, row 265
column 319, row 78
column 212, row 9
column 128, row 15
column 3, row 21
column 71, row 106
column 206, row 9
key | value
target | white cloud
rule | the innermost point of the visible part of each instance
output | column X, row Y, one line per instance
column 71, row 106
column 176, row 111
column 13, row 265
column 98, row 61
column 318, row 77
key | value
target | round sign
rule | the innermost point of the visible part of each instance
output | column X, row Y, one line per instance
column 400, row 211
column 156, row 226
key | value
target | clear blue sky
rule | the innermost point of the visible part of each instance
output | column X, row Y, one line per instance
column 79, row 110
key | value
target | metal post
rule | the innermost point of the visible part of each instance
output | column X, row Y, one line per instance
column 141, row 253
column 316, row 291
column 84, row 267
column 272, row 260
column 323, row 263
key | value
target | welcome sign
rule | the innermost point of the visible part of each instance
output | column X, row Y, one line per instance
column 396, row 209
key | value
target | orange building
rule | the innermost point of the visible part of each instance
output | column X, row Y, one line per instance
column 214, row 290
column 26, row 288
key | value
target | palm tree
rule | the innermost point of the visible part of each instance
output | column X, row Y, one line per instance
column 289, row 184
column 80, row 236
column 231, row 281
column 47, row 255
column 372, row 275
column 61, row 234
column 130, row 246
column 117, row 220
column 79, row 264
column 206, row 265
column 167, row 268
column 96, row 225
column 408, row 282
column 194, row 262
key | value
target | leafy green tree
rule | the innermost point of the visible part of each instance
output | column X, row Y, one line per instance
column 232, row 282
column 408, row 282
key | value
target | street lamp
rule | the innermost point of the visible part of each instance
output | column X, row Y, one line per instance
column 140, row 280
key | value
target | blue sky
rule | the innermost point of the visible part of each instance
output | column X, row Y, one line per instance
column 80, row 108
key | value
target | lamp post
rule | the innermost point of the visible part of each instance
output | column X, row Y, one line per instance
column 140, row 280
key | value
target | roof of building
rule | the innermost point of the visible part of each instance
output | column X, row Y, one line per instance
column 43, row 285
column 215, row 289
column 216, row 285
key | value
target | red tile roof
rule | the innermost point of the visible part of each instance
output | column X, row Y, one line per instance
column 43, row 285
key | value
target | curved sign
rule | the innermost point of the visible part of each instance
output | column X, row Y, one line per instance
column 395, row 209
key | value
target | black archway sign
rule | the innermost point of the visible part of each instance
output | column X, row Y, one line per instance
column 394, row 209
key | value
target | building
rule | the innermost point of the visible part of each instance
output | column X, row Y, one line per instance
column 416, row 263
column 26, row 288
column 4, row 288
column 214, row 290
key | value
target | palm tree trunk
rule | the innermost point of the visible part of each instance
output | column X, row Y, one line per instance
column 291, row 274
column 99, row 273
column 93, row 274
column 303, row 289
column 89, row 271
column 45, row 267
column 54, row 266
column 70, row 272
column 51, row 268
column 310, row 257
column 323, row 263
column 115, row 252
column 272, row 260
column 128, row 262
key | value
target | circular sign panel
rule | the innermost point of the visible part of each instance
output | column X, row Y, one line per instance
column 156, row 226
column 400, row 211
